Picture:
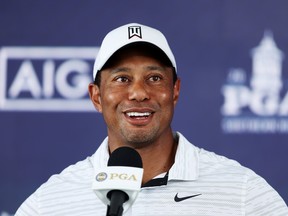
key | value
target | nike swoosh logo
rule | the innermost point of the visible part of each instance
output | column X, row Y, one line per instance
column 179, row 199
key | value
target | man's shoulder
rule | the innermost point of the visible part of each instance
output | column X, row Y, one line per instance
column 213, row 163
column 79, row 173
column 77, row 176
column 71, row 187
column 209, row 157
column 210, row 162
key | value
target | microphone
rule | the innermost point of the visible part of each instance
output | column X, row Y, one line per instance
column 118, row 184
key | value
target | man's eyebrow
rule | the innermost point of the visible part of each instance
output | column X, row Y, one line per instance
column 154, row 67
column 127, row 69
column 119, row 69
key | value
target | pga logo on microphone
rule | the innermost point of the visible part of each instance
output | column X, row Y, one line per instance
column 102, row 176
column 117, row 178
column 118, row 174
column 46, row 78
column 126, row 179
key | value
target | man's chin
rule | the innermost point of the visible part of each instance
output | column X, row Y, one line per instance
column 140, row 139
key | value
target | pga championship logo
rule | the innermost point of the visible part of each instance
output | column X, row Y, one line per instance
column 46, row 78
column 102, row 176
column 258, row 104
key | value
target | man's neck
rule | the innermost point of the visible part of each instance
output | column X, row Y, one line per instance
column 158, row 159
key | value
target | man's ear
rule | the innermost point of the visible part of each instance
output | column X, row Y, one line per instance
column 176, row 91
column 95, row 97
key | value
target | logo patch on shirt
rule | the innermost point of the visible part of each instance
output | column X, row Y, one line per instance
column 179, row 199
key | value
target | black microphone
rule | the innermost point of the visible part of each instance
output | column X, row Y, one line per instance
column 127, row 157
column 118, row 184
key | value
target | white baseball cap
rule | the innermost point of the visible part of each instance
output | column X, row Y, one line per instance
column 128, row 34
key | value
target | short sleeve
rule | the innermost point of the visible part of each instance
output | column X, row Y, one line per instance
column 262, row 199
column 29, row 207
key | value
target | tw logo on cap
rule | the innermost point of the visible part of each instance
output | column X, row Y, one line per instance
column 134, row 31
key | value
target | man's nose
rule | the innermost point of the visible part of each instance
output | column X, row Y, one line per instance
column 138, row 91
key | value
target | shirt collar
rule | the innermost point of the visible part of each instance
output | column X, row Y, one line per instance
column 185, row 167
column 186, row 164
column 101, row 156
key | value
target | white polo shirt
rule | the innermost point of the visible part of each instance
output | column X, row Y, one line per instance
column 199, row 183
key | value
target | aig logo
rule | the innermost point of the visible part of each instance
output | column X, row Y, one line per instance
column 46, row 78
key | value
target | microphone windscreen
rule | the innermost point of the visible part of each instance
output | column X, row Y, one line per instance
column 125, row 156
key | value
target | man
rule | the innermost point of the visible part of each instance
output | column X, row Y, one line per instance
column 136, row 89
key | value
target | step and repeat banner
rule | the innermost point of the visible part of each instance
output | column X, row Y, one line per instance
column 231, row 57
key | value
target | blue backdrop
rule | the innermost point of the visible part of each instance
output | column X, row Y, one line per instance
column 230, row 56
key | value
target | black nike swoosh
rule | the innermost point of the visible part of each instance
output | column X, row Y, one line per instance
column 179, row 199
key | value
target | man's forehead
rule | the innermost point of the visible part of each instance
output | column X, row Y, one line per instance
column 142, row 49
column 147, row 67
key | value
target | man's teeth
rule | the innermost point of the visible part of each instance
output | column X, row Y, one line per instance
column 138, row 114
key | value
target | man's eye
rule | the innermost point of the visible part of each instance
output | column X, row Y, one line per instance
column 122, row 79
column 155, row 78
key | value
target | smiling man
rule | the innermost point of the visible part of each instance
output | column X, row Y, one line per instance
column 136, row 89
column 137, row 95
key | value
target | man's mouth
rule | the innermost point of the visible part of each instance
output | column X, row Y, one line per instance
column 138, row 115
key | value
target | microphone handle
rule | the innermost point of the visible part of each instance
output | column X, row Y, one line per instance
column 117, row 198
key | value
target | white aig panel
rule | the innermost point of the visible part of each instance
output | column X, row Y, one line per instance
column 46, row 78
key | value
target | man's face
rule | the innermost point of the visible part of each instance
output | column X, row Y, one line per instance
column 137, row 99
